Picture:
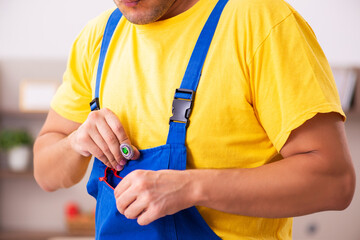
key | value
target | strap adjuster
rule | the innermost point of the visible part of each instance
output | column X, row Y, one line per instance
column 182, row 106
column 95, row 104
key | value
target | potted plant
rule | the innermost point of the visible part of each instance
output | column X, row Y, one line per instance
column 17, row 144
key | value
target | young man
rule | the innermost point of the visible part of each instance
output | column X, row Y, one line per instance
column 265, row 140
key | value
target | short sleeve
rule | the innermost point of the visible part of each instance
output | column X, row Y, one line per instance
column 74, row 95
column 291, row 79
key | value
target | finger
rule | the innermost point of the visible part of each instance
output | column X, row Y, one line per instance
column 96, row 152
column 124, row 200
column 110, row 140
column 136, row 153
column 78, row 141
column 148, row 216
column 84, row 145
column 116, row 126
column 105, row 151
column 135, row 208
column 120, row 132
column 121, row 187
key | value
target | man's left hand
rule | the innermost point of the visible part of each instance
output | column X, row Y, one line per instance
column 149, row 195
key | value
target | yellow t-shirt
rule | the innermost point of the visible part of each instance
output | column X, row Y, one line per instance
column 264, row 75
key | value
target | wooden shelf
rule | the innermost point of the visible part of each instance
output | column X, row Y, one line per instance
column 6, row 174
column 26, row 115
column 19, row 235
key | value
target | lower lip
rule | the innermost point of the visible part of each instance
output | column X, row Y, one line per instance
column 131, row 4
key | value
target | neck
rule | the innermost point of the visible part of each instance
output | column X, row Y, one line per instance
column 178, row 7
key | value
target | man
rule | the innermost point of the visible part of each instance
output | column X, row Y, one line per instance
column 265, row 140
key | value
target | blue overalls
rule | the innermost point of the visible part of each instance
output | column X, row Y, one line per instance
column 188, row 223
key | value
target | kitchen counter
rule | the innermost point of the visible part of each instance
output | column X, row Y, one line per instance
column 42, row 236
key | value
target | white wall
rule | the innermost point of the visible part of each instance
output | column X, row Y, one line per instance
column 337, row 26
column 46, row 28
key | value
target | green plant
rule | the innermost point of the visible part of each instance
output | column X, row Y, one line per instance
column 10, row 138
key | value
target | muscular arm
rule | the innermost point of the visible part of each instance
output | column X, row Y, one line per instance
column 56, row 164
column 316, row 174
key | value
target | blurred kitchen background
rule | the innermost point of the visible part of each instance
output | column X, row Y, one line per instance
column 35, row 39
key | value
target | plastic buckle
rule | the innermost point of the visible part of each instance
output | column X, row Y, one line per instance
column 181, row 107
column 95, row 104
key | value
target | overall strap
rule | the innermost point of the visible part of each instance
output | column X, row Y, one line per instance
column 109, row 30
column 184, row 96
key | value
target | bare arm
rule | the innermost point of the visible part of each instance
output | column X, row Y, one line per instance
column 63, row 148
column 54, row 159
column 316, row 174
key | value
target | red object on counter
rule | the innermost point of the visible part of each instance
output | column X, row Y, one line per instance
column 72, row 210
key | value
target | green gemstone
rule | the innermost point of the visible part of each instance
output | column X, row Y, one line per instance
column 125, row 150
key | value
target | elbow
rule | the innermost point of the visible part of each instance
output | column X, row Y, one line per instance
column 46, row 188
column 47, row 182
column 42, row 182
column 345, row 191
column 41, row 175
column 43, row 185
column 348, row 190
column 38, row 176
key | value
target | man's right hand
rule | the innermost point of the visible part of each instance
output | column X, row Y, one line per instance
column 101, row 135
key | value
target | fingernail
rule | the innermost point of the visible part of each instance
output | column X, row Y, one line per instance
column 123, row 162
column 118, row 167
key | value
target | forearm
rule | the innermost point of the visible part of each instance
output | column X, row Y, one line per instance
column 56, row 164
column 295, row 186
column 316, row 174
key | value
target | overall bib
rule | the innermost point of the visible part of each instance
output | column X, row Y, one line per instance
column 188, row 223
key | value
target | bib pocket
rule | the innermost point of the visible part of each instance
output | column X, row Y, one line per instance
column 187, row 224
column 112, row 224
